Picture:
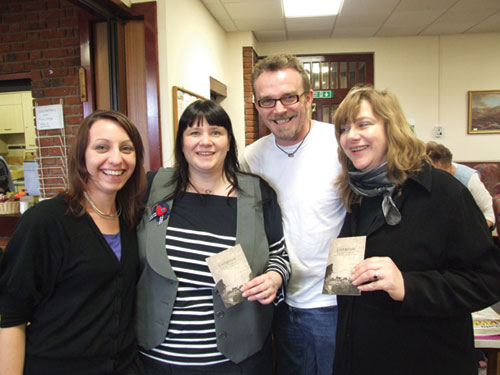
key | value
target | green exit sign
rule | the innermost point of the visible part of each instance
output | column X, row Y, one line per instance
column 323, row 94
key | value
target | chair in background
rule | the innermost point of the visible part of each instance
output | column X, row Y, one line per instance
column 497, row 188
column 490, row 176
column 496, row 209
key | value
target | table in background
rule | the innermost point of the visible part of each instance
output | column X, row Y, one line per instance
column 491, row 344
column 7, row 226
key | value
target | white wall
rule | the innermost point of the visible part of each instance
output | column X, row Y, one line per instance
column 430, row 75
column 192, row 49
column 468, row 63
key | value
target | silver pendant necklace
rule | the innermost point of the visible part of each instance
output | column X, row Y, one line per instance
column 99, row 212
column 292, row 154
column 206, row 191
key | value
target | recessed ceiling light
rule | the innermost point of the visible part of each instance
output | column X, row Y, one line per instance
column 311, row 8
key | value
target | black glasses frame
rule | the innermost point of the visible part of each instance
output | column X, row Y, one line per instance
column 295, row 100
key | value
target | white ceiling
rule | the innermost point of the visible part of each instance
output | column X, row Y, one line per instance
column 359, row 18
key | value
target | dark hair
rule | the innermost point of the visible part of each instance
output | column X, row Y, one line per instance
column 193, row 115
column 439, row 154
column 130, row 197
column 279, row 62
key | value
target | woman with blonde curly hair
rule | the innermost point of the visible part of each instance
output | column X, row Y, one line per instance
column 429, row 258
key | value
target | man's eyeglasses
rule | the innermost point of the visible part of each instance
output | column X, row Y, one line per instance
column 285, row 100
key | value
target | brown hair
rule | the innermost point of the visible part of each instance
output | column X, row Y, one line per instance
column 280, row 62
column 439, row 154
column 130, row 197
column 405, row 152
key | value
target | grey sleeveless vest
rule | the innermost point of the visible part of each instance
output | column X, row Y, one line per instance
column 242, row 329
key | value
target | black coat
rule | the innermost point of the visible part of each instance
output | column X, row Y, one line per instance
column 450, row 268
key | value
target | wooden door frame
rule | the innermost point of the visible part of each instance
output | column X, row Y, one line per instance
column 148, row 13
column 339, row 93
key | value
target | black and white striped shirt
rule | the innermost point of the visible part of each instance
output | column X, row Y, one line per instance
column 200, row 226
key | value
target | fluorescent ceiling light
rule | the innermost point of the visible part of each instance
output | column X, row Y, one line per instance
column 311, row 8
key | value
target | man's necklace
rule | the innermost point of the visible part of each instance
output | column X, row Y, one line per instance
column 292, row 154
column 99, row 212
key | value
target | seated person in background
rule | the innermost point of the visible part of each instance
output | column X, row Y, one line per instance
column 441, row 158
column 6, row 183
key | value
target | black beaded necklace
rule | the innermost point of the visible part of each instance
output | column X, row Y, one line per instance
column 292, row 154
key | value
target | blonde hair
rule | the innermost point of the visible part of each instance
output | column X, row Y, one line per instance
column 405, row 152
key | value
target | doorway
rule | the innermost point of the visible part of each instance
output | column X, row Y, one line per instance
column 332, row 76
column 119, row 52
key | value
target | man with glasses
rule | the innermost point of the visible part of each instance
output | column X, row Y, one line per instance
column 299, row 159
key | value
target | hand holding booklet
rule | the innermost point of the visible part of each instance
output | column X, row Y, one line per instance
column 344, row 254
column 230, row 270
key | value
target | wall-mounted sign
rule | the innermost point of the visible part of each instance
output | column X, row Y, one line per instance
column 323, row 94
column 49, row 117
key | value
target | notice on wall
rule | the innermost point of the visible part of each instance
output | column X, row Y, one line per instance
column 182, row 98
column 49, row 117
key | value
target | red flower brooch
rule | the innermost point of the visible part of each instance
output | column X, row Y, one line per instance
column 160, row 212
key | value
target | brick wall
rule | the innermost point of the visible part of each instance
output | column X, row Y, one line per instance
column 41, row 37
column 251, row 116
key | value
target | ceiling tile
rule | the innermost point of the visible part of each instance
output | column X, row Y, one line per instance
column 470, row 12
column 260, row 24
column 228, row 25
column 354, row 32
column 443, row 29
column 307, row 23
column 270, row 36
column 489, row 25
column 425, row 5
column 254, row 9
column 217, row 11
column 352, row 22
column 368, row 8
column 464, row 15
column 417, row 19
column 397, row 31
column 309, row 34
column 359, row 18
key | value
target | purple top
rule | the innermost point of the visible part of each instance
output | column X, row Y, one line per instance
column 114, row 242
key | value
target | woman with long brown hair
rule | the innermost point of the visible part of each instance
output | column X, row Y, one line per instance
column 68, row 275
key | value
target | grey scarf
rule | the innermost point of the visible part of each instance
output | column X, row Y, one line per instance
column 374, row 183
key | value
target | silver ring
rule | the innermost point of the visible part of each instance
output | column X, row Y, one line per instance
column 375, row 275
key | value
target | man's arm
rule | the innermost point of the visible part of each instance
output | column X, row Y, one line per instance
column 483, row 198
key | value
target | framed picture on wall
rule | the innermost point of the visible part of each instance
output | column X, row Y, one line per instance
column 484, row 112
column 181, row 99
